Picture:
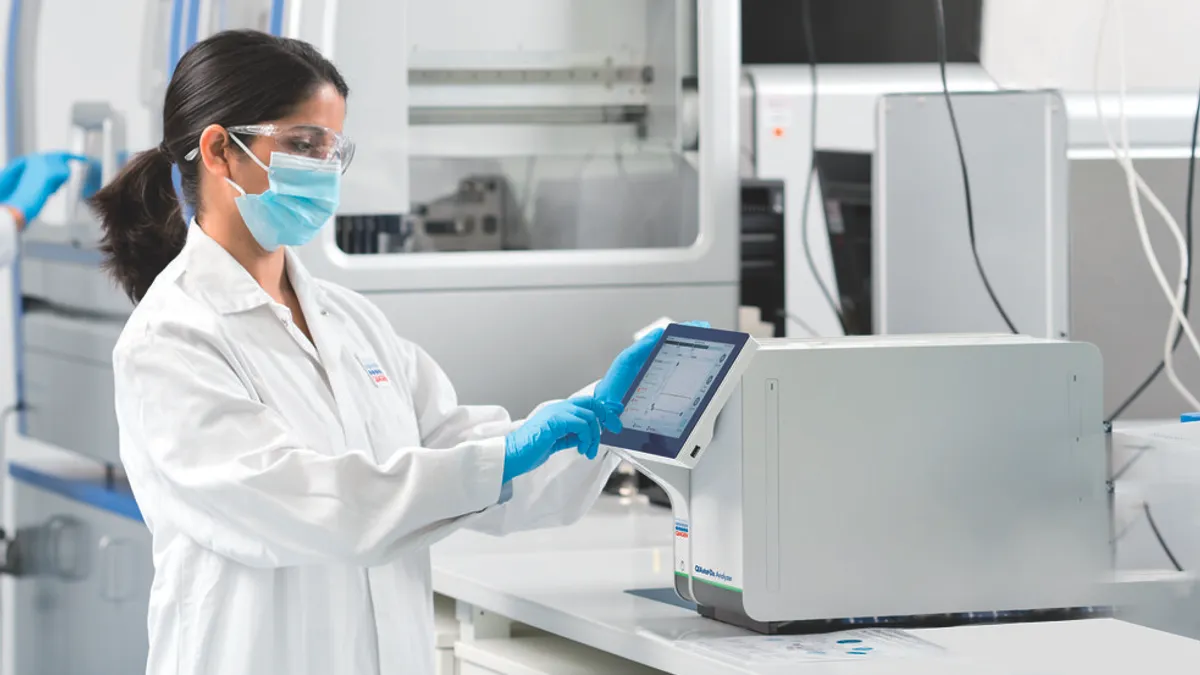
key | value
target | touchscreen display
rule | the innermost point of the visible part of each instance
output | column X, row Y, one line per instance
column 674, row 385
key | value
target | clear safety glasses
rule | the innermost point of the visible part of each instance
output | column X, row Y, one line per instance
column 302, row 140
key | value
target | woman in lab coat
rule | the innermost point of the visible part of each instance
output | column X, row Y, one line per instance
column 25, row 186
column 294, row 458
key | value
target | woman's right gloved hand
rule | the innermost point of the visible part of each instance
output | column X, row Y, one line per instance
column 575, row 423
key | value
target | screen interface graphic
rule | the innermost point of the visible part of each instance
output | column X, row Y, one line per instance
column 677, row 381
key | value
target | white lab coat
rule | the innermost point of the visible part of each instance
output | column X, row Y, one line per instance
column 8, row 238
column 293, row 491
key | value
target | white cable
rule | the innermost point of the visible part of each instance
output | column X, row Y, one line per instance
column 1177, row 315
column 1136, row 185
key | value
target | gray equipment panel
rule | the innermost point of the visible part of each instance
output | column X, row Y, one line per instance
column 1015, row 145
column 82, row 609
column 69, row 383
column 942, row 502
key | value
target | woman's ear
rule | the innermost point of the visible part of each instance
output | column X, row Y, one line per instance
column 215, row 150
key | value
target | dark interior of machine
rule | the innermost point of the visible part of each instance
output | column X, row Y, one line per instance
column 763, row 266
column 859, row 31
column 844, row 181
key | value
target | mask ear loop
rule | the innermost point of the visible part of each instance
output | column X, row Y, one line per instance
column 252, row 156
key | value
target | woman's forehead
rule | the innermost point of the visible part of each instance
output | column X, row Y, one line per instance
column 325, row 108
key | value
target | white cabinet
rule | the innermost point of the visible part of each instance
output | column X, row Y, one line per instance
column 445, row 632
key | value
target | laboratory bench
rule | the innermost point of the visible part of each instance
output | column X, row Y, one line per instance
column 590, row 598
column 598, row 590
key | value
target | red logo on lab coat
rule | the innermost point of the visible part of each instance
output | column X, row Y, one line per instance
column 375, row 373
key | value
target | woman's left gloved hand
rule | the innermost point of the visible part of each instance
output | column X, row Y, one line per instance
column 628, row 364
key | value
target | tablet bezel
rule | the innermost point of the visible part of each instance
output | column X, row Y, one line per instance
column 633, row 440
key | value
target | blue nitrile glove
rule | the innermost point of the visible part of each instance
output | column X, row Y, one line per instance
column 628, row 364
column 574, row 423
column 9, row 177
column 28, row 182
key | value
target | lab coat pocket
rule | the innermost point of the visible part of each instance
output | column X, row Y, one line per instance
column 387, row 409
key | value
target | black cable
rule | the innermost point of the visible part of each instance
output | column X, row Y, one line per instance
column 7, row 412
column 1158, row 535
column 1187, row 279
column 812, row 166
column 788, row 316
column 962, row 161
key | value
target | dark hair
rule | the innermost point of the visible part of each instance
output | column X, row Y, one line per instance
column 231, row 78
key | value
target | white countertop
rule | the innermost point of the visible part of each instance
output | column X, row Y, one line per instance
column 572, row 582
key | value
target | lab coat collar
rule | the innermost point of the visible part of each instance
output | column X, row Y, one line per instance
column 307, row 289
column 228, row 287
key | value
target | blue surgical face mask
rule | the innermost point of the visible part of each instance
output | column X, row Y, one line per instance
column 302, row 197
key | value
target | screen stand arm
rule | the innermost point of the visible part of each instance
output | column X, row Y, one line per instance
column 676, row 481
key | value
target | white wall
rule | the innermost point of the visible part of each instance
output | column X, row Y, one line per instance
column 7, row 379
column 7, row 384
column 1052, row 43
column 7, row 394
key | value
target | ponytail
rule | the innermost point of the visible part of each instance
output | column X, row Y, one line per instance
column 142, row 221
